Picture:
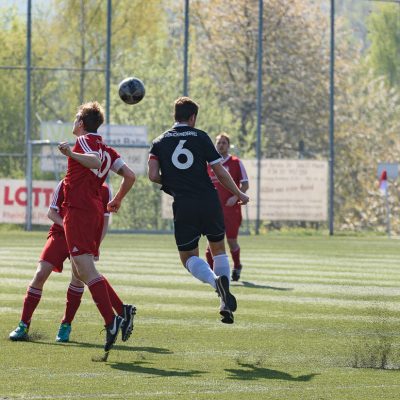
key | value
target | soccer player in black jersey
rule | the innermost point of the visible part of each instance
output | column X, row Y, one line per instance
column 178, row 162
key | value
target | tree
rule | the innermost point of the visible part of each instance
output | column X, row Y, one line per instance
column 12, row 94
column 384, row 34
column 295, row 70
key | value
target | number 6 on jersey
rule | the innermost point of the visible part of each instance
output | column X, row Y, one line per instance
column 179, row 150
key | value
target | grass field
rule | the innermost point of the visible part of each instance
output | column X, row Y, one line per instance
column 318, row 318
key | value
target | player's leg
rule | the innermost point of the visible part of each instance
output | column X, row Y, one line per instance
column 235, row 253
column 188, row 230
column 222, row 270
column 31, row 300
column 232, row 224
column 209, row 257
column 96, row 283
column 81, row 231
column 214, row 229
column 73, row 300
column 98, row 289
column 197, row 266
column 126, row 311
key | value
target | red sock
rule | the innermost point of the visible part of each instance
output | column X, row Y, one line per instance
column 236, row 258
column 98, row 289
column 116, row 302
column 31, row 301
column 74, row 296
column 209, row 257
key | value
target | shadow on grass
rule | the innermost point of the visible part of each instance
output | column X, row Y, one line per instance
column 139, row 367
column 252, row 372
column 146, row 349
column 255, row 286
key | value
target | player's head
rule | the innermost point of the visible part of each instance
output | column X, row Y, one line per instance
column 185, row 110
column 89, row 117
column 223, row 143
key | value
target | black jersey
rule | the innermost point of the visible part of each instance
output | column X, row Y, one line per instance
column 183, row 153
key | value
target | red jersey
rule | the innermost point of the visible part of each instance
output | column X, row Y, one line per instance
column 236, row 168
column 82, row 185
column 58, row 199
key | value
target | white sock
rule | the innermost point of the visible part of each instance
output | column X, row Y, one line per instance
column 221, row 265
column 201, row 270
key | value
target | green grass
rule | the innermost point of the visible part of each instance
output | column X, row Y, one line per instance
column 318, row 318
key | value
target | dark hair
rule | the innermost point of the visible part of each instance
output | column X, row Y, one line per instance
column 92, row 116
column 224, row 135
column 185, row 107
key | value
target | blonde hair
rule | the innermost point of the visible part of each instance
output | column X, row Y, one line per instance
column 224, row 135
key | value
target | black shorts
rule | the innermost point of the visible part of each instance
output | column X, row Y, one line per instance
column 196, row 217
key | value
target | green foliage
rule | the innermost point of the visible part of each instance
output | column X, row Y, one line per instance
column 295, row 69
column 147, row 41
column 141, row 208
column 384, row 34
column 12, row 95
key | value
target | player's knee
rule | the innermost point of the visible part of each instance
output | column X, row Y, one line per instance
column 40, row 278
column 217, row 248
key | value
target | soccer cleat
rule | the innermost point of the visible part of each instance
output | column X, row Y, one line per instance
column 227, row 315
column 127, row 326
column 236, row 273
column 20, row 332
column 63, row 333
column 112, row 332
column 227, row 297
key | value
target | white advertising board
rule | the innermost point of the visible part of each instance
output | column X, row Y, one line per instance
column 290, row 190
column 13, row 198
column 136, row 158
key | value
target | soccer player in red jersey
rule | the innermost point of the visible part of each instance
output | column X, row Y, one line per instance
column 178, row 161
column 230, row 203
column 52, row 258
column 89, row 162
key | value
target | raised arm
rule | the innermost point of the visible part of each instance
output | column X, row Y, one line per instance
column 91, row 161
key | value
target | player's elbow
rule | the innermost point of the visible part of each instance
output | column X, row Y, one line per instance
column 130, row 177
column 95, row 163
column 153, row 175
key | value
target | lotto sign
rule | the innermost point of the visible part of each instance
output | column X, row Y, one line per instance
column 13, row 200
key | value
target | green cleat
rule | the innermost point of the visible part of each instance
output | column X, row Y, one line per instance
column 20, row 332
column 63, row 333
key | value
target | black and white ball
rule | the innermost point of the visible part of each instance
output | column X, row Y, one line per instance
column 131, row 90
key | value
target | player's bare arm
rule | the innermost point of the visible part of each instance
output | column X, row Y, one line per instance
column 91, row 161
column 55, row 217
column 226, row 180
column 244, row 187
column 153, row 171
column 128, row 180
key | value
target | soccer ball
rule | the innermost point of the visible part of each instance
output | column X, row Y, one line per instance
column 131, row 90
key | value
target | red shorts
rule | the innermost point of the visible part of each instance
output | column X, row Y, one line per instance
column 83, row 230
column 55, row 251
column 232, row 220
